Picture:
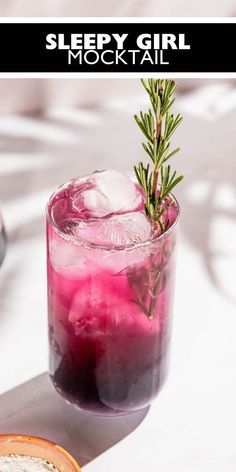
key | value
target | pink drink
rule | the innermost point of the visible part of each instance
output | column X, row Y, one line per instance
column 110, row 289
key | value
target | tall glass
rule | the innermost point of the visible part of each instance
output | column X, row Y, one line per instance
column 109, row 319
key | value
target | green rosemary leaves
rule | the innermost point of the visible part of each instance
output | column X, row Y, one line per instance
column 158, row 125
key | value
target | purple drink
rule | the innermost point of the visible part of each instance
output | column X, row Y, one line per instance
column 110, row 289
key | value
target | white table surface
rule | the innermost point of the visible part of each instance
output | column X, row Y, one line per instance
column 191, row 426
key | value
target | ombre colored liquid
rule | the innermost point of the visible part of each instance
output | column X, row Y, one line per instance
column 109, row 307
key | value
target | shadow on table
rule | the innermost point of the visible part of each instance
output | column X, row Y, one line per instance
column 35, row 408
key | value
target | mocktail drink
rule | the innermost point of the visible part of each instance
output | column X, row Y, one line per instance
column 110, row 289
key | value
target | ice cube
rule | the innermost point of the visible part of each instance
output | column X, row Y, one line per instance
column 106, row 192
column 72, row 261
column 100, row 303
column 117, row 230
column 91, row 300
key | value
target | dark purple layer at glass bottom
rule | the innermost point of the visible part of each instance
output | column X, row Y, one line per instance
column 122, row 388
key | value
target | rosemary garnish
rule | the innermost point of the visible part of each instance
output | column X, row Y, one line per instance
column 158, row 125
column 150, row 280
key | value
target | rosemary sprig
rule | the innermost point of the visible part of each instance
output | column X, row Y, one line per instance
column 158, row 125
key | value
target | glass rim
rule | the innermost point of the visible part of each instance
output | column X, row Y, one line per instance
column 106, row 247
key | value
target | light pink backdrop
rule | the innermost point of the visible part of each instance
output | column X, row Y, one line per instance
column 117, row 8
